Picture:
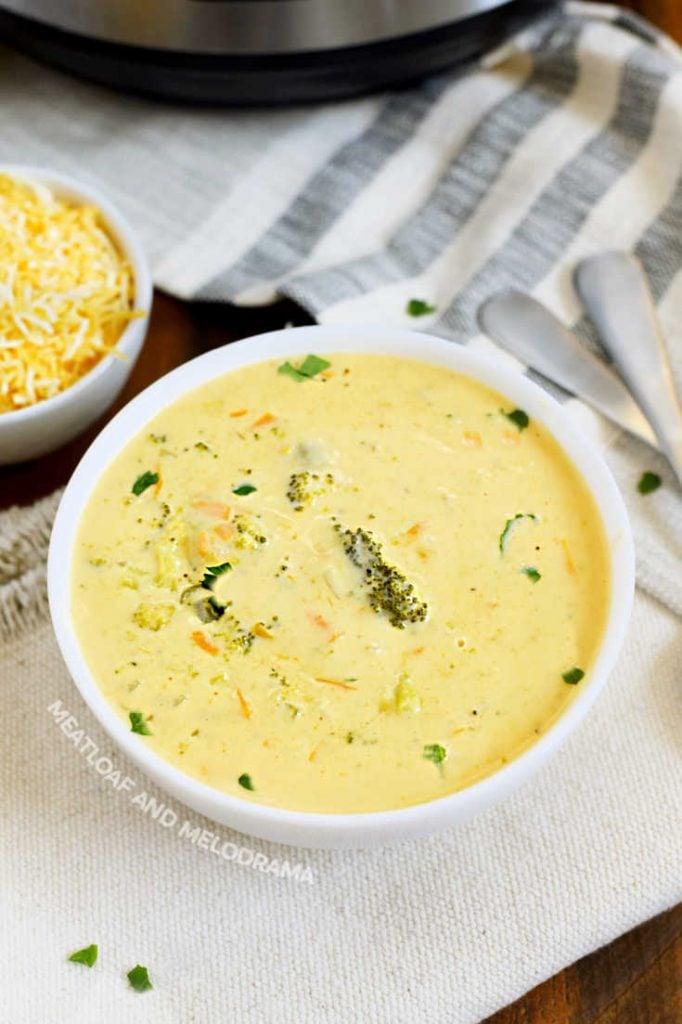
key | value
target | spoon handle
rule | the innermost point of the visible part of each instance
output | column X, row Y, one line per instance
column 616, row 294
column 531, row 332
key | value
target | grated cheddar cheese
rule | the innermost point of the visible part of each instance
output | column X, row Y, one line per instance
column 66, row 293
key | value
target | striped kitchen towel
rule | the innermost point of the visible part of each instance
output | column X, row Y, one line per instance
column 563, row 142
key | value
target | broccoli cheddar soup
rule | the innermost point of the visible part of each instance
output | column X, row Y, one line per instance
column 340, row 585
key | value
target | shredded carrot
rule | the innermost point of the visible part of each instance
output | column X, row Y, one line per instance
column 263, row 420
column 260, row 630
column 319, row 620
column 245, row 709
column 471, row 439
column 570, row 564
column 422, row 554
column 413, row 531
column 224, row 530
column 417, row 650
column 335, row 682
column 159, row 483
column 201, row 640
column 239, row 412
column 203, row 545
column 214, row 508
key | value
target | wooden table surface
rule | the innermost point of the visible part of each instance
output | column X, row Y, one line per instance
column 635, row 980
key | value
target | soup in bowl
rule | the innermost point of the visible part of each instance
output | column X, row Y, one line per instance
column 339, row 586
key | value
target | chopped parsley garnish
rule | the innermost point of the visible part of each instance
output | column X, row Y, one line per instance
column 212, row 573
column 87, row 955
column 573, row 676
column 144, row 481
column 207, row 607
column 245, row 782
column 244, row 489
column 509, row 525
column 217, row 609
column 418, row 307
column 648, row 482
column 434, row 752
column 518, row 417
column 309, row 368
column 139, row 978
column 138, row 724
column 389, row 592
column 531, row 572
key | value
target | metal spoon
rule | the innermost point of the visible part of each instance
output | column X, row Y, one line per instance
column 528, row 330
column 616, row 294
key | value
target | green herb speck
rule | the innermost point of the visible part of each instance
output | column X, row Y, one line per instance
column 648, row 482
column 244, row 489
column 573, row 676
column 531, row 572
column 508, row 526
column 139, row 978
column 144, row 481
column 518, row 417
column 138, row 724
column 434, row 752
column 309, row 368
column 245, row 782
column 87, row 955
column 418, row 307
column 212, row 573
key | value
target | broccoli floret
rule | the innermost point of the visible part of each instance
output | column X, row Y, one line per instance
column 234, row 636
column 153, row 616
column 131, row 577
column 403, row 698
column 249, row 535
column 305, row 486
column 388, row 590
column 169, row 556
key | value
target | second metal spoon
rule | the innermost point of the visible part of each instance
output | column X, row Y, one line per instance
column 528, row 330
column 617, row 297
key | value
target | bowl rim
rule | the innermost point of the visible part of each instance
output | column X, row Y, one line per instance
column 257, row 818
column 125, row 237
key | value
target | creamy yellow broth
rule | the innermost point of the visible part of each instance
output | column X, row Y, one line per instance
column 293, row 671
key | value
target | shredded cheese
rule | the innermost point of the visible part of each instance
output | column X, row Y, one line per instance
column 66, row 293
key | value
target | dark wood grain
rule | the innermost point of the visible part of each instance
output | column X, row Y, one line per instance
column 635, row 980
column 667, row 14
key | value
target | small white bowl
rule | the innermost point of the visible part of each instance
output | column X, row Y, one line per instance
column 37, row 429
column 340, row 830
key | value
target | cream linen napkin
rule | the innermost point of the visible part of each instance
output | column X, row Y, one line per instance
column 446, row 929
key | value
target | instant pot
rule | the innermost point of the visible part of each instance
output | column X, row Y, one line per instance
column 259, row 51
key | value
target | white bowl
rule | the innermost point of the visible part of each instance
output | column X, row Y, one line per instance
column 37, row 429
column 340, row 830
